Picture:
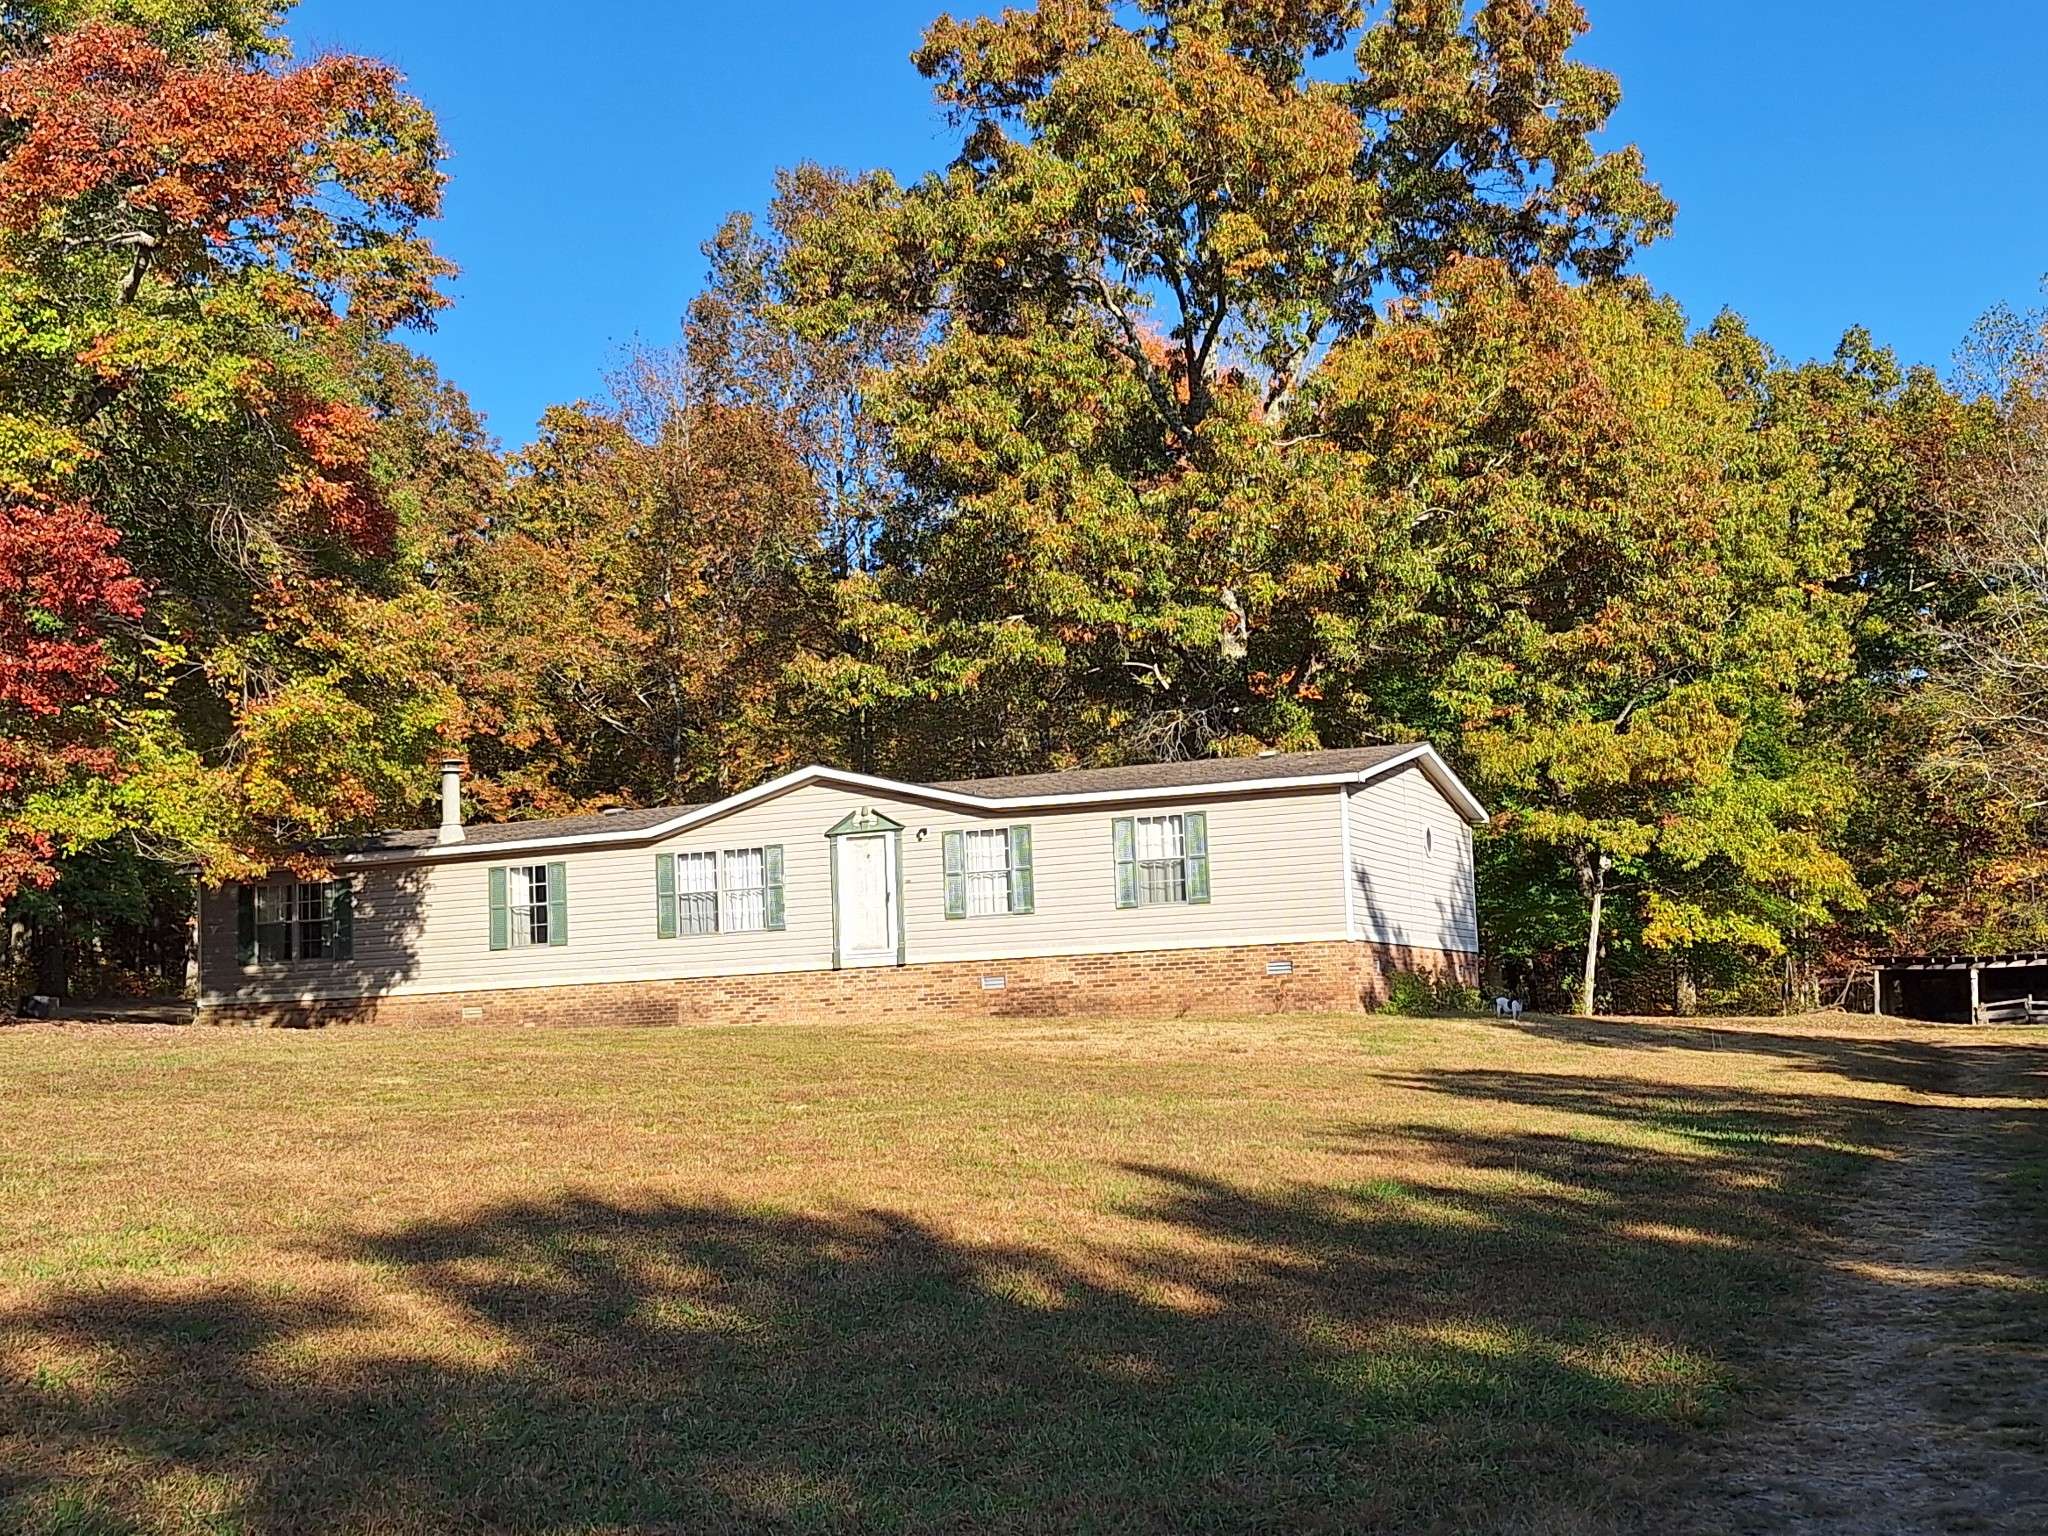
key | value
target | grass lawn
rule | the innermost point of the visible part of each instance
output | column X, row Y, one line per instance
column 1299, row 1274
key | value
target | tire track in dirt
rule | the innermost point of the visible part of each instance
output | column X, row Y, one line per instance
column 1917, row 1389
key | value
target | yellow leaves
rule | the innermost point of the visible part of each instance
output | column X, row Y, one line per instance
column 166, row 662
column 1683, row 740
column 38, row 455
column 1669, row 924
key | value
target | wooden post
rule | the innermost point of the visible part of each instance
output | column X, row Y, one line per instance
column 1976, row 1003
column 1877, row 991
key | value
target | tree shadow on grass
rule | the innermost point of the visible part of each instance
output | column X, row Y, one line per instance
column 1923, row 1065
column 1453, row 1351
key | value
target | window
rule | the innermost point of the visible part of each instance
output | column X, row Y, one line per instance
column 1162, row 860
column 276, row 913
column 988, row 872
column 530, row 906
column 697, row 893
column 743, row 890
column 313, row 925
column 737, row 891
column 294, row 920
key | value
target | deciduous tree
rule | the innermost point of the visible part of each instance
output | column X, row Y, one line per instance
column 653, row 570
column 201, row 243
column 1112, row 535
column 60, row 586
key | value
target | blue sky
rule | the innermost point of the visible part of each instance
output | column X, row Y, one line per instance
column 1836, row 162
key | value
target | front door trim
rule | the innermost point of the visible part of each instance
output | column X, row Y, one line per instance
column 868, row 822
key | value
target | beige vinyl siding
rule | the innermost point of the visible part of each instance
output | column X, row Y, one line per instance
column 1275, row 863
column 1412, row 868
column 1271, row 858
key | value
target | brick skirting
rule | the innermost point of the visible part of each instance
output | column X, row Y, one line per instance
column 1324, row 978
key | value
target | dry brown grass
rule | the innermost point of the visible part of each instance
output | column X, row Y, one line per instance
column 1217, row 1274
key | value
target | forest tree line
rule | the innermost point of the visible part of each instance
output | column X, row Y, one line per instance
column 1261, row 374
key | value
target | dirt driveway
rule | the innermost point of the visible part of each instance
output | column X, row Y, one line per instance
column 1915, row 1399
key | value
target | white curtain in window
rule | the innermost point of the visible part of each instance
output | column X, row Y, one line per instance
column 988, row 873
column 697, row 893
column 745, row 890
column 529, row 893
column 1162, row 865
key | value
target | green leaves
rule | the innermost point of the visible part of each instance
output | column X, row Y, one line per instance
column 202, row 249
column 1480, row 131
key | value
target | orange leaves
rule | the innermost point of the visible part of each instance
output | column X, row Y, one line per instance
column 105, row 109
column 182, row 164
column 336, row 492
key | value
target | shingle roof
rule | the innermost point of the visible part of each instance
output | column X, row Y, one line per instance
column 1277, row 768
column 1188, row 775
column 485, row 833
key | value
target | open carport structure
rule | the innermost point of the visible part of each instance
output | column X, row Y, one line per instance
column 1965, row 989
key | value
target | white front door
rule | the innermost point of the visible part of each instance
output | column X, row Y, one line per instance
column 867, row 901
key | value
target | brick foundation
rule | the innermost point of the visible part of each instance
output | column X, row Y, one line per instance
column 1325, row 978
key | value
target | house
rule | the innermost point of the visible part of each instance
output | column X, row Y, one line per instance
column 1292, row 881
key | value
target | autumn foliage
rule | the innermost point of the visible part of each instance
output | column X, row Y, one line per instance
column 127, row 146
column 335, row 491
column 60, row 584
column 1258, row 374
column 204, row 248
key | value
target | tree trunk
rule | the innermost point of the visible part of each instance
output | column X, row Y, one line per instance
column 1596, row 880
column 1801, row 988
column 1685, row 992
column 52, row 970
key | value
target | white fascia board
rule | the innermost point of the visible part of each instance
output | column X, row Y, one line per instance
column 448, row 852
column 1422, row 753
column 1439, row 774
column 1452, row 787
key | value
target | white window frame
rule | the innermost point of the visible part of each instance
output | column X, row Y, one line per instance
column 743, row 890
column 1162, row 876
column 528, row 924
column 991, row 887
column 697, row 888
column 720, row 891
column 285, row 905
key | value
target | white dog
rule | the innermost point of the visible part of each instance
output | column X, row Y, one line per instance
column 1507, row 1007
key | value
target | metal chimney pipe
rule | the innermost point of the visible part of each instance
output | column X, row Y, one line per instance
column 451, row 799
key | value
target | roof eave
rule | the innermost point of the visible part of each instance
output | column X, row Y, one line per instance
column 1448, row 783
column 1433, row 766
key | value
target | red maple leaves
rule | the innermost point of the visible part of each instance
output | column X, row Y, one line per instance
column 60, row 582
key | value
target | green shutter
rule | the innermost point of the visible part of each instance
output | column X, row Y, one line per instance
column 1125, row 837
column 1023, row 892
column 664, row 896
column 956, row 874
column 558, row 905
column 245, row 925
column 1195, row 850
column 501, row 912
column 777, row 917
column 341, row 910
